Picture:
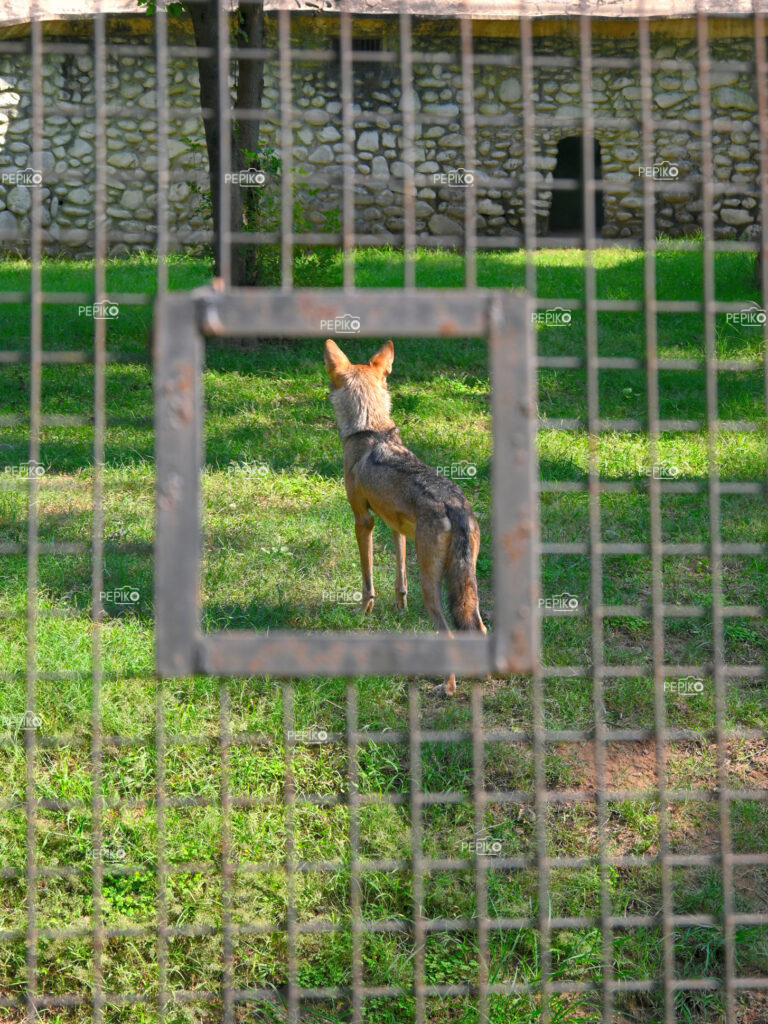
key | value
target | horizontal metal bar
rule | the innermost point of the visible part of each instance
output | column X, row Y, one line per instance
column 303, row 655
column 306, row 312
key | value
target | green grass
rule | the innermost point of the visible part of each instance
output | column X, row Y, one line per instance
column 279, row 547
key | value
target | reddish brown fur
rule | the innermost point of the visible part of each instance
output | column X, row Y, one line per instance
column 384, row 477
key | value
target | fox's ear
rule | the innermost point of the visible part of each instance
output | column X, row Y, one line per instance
column 336, row 363
column 383, row 359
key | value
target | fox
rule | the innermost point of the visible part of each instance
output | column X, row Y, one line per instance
column 383, row 477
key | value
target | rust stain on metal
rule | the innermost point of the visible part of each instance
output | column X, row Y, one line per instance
column 519, row 660
column 169, row 494
column 178, row 393
column 515, row 542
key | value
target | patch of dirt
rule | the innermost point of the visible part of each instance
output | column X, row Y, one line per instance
column 755, row 1010
column 690, row 765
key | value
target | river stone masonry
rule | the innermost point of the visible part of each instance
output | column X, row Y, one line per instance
column 66, row 174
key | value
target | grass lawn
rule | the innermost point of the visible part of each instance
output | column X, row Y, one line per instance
column 280, row 552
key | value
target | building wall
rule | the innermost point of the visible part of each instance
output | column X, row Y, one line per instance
column 67, row 166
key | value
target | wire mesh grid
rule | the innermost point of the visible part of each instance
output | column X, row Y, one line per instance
column 489, row 995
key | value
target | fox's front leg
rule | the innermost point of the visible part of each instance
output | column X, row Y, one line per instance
column 401, row 583
column 364, row 533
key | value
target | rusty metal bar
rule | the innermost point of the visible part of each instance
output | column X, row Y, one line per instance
column 33, row 524
column 713, row 478
column 181, row 647
column 97, row 525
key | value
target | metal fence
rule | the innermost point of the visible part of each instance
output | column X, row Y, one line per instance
column 473, row 311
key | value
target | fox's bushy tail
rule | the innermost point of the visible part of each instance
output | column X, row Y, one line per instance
column 463, row 601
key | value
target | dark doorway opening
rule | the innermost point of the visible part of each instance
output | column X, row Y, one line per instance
column 566, row 215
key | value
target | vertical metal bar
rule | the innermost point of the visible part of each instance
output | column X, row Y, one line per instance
column 529, row 155
column 355, row 888
column 225, row 143
column 538, row 703
column 178, row 457
column 227, row 867
column 286, row 149
column 161, row 803
column 481, row 870
column 596, row 594
column 33, row 551
column 513, row 409
column 761, row 68
column 654, row 498
column 407, row 110
column 163, row 184
column 348, row 150
column 163, row 173
column 289, row 796
column 715, row 545
column 468, row 111
column 596, row 579
column 97, row 525
column 417, row 866
column 538, row 689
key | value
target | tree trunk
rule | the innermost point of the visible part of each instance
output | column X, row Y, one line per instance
column 245, row 134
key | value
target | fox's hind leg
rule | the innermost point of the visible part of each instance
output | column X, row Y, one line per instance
column 364, row 533
column 401, row 583
column 432, row 546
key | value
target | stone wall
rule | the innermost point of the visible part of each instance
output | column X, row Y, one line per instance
column 67, row 167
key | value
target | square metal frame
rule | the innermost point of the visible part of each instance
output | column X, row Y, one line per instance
column 182, row 322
